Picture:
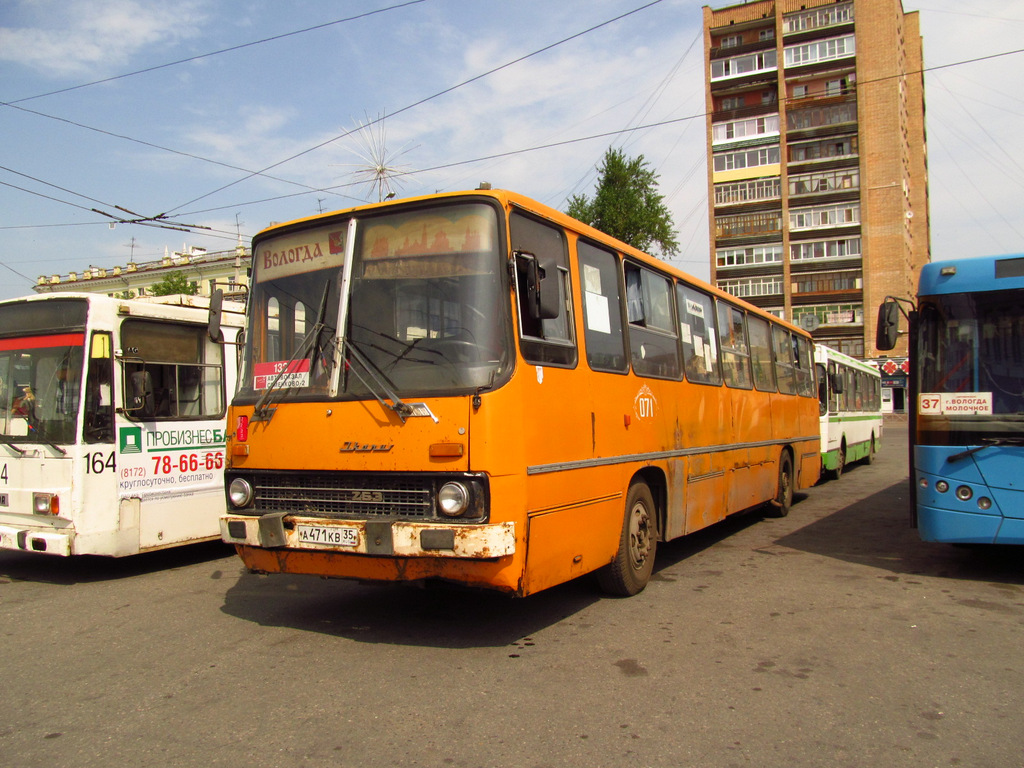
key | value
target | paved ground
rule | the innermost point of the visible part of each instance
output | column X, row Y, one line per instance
column 833, row 637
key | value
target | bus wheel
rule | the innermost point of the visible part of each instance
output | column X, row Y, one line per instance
column 870, row 458
column 779, row 506
column 631, row 569
column 840, row 462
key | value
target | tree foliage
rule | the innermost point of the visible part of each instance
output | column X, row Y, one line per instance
column 626, row 204
column 174, row 283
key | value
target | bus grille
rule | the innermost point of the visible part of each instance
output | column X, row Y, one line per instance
column 343, row 496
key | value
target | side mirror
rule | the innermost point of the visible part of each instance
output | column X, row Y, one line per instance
column 216, row 308
column 543, row 294
column 888, row 327
column 837, row 383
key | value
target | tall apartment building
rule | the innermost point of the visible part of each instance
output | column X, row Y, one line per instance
column 817, row 173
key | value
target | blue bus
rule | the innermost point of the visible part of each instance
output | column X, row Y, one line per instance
column 967, row 380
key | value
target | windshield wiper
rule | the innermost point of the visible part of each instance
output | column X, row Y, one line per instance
column 309, row 348
column 986, row 442
column 401, row 408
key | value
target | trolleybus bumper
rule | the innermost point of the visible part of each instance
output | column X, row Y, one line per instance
column 27, row 540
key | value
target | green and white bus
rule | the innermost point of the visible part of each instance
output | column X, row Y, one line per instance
column 850, row 406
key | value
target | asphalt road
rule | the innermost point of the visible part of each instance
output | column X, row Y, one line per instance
column 833, row 637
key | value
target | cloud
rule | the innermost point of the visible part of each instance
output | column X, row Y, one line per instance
column 79, row 38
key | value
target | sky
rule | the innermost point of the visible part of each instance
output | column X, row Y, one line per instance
column 220, row 117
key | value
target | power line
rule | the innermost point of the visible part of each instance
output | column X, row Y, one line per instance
column 422, row 101
column 213, row 53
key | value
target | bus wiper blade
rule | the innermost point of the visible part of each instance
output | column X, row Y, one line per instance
column 396, row 404
column 309, row 348
column 987, row 442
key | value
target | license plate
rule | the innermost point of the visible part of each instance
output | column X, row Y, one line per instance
column 4, row 500
column 334, row 536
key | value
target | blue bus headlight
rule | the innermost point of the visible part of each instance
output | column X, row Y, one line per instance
column 964, row 493
column 942, row 486
column 984, row 503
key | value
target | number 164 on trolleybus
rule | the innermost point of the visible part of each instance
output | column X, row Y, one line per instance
column 112, row 422
column 476, row 388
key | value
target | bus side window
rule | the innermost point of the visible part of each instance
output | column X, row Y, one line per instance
column 602, row 313
column 761, row 353
column 543, row 341
column 785, row 360
column 171, row 371
column 697, row 332
column 654, row 349
column 735, row 350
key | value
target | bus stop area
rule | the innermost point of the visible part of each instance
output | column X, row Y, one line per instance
column 831, row 637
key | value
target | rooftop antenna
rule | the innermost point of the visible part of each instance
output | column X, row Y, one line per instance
column 380, row 169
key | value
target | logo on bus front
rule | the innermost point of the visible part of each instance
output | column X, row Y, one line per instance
column 645, row 405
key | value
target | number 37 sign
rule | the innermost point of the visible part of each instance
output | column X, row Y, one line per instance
column 955, row 403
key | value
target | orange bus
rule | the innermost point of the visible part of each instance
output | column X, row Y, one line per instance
column 475, row 388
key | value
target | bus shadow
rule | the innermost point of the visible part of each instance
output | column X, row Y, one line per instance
column 875, row 531
column 82, row 569
column 436, row 615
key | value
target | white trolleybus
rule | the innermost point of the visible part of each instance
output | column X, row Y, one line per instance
column 850, row 406
column 112, row 422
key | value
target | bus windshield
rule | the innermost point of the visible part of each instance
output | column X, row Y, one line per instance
column 41, row 371
column 425, row 308
column 974, row 343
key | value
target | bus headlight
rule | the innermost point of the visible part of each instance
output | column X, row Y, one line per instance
column 45, row 504
column 964, row 493
column 453, row 499
column 984, row 503
column 240, row 493
column 941, row 486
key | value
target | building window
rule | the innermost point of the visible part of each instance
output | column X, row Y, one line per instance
column 825, row 249
column 731, row 41
column 818, row 117
column 821, row 50
column 751, row 255
column 748, row 191
column 737, row 66
column 828, row 149
column 742, row 129
column 832, row 314
column 749, row 224
column 768, row 285
column 825, row 282
column 826, row 181
column 766, row 34
column 824, row 216
column 748, row 158
column 828, row 16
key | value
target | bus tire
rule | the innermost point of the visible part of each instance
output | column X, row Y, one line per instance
column 840, row 462
column 631, row 569
column 779, row 506
column 870, row 458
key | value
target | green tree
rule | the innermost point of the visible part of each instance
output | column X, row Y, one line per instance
column 174, row 283
column 626, row 204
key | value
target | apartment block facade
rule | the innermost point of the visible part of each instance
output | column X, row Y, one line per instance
column 817, row 168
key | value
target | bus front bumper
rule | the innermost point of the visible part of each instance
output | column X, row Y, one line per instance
column 370, row 537
column 44, row 540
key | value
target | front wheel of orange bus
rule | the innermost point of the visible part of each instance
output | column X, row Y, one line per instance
column 631, row 569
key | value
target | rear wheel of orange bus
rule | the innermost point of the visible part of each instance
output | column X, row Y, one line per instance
column 631, row 569
column 779, row 506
